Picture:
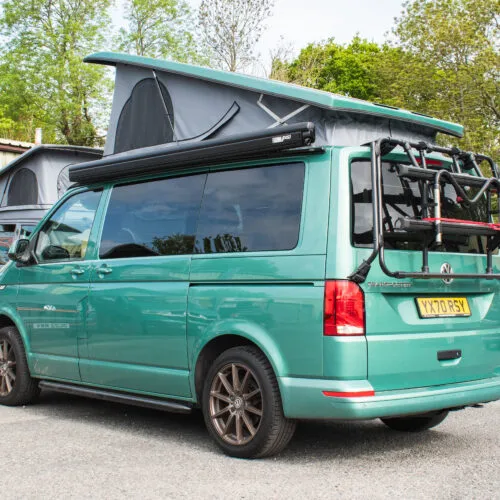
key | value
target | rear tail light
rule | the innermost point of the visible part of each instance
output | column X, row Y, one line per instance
column 344, row 309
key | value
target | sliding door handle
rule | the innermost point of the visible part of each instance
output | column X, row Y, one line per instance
column 77, row 271
column 103, row 270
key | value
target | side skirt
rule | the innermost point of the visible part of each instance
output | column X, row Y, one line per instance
column 118, row 397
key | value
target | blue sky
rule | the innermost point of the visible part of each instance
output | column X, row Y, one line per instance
column 303, row 21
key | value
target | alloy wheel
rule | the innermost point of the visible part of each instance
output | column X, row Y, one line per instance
column 7, row 368
column 236, row 405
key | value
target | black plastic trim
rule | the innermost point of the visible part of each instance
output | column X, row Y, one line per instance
column 156, row 159
column 449, row 355
column 119, row 397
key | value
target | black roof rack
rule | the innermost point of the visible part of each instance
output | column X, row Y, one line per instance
column 156, row 159
column 429, row 227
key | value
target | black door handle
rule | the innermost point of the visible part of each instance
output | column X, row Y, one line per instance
column 447, row 355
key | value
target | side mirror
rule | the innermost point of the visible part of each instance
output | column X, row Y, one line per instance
column 19, row 251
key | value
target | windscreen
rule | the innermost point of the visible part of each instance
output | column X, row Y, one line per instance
column 402, row 198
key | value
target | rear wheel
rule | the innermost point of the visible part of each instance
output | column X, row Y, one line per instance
column 16, row 385
column 416, row 423
column 242, row 405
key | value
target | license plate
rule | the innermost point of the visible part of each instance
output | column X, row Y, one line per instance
column 443, row 307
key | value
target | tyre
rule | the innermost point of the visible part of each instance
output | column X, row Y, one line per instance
column 242, row 407
column 416, row 423
column 16, row 385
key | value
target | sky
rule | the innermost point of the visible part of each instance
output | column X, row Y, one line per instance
column 301, row 22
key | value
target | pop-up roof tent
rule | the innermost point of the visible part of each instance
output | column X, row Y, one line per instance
column 34, row 181
column 160, row 102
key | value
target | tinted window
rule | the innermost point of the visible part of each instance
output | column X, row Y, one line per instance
column 251, row 210
column 66, row 234
column 152, row 218
column 23, row 189
column 402, row 198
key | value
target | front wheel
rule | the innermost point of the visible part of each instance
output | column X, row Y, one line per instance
column 16, row 385
column 242, row 405
column 416, row 423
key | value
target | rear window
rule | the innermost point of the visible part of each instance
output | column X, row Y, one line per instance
column 402, row 198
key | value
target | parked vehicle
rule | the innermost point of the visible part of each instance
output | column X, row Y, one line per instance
column 263, row 269
column 30, row 184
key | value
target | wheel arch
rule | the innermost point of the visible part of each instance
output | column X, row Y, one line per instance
column 213, row 346
column 9, row 318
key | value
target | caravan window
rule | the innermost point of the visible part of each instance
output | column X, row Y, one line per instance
column 152, row 218
column 251, row 210
column 144, row 121
column 23, row 189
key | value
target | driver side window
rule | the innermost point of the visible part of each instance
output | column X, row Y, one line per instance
column 65, row 235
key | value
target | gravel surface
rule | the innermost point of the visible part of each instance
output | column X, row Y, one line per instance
column 69, row 447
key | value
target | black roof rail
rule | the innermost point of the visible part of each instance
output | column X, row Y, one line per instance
column 157, row 159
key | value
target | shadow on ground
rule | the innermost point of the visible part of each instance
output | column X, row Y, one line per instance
column 318, row 440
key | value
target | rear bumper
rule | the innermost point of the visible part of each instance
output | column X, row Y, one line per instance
column 304, row 398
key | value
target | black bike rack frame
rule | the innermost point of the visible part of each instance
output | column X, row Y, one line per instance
column 432, row 229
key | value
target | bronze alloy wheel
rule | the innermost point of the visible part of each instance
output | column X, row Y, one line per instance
column 236, row 405
column 7, row 368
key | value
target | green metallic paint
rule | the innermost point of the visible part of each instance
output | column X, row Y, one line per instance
column 344, row 358
column 270, row 298
column 145, row 314
column 141, row 328
column 284, row 320
column 303, row 94
column 402, row 347
column 304, row 399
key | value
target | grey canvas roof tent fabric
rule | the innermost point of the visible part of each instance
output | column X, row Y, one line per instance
column 34, row 181
column 161, row 102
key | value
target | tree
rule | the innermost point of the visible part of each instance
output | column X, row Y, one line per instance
column 351, row 70
column 160, row 29
column 453, row 50
column 443, row 60
column 43, row 80
column 230, row 30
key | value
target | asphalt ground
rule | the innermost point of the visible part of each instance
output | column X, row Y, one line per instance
column 68, row 447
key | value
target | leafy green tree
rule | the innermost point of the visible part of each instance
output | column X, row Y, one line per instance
column 43, row 80
column 443, row 60
column 451, row 66
column 160, row 29
column 349, row 70
column 230, row 30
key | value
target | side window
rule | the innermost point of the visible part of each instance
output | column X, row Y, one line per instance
column 23, row 188
column 26, row 231
column 7, row 236
column 65, row 235
column 251, row 210
column 152, row 218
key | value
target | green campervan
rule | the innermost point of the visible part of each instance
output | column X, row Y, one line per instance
column 264, row 252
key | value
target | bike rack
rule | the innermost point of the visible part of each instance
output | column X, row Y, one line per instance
column 432, row 226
